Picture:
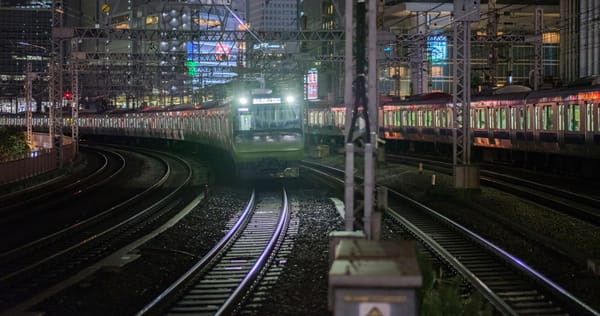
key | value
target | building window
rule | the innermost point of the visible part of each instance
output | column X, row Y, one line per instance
column 437, row 71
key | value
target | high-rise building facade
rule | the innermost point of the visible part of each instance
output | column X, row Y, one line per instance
column 273, row 15
column 26, row 32
column 580, row 44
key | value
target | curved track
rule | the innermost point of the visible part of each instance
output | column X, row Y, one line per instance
column 30, row 268
column 101, row 166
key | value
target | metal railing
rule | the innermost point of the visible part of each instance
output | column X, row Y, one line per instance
column 35, row 163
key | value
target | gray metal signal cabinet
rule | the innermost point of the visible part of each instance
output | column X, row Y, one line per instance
column 374, row 278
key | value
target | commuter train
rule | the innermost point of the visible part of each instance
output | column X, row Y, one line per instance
column 266, row 135
column 514, row 123
column 262, row 132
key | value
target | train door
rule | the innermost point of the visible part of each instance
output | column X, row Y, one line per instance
column 386, row 120
column 500, row 124
column 479, row 120
column 512, row 123
column 590, row 123
column 492, row 125
column 341, row 120
column 428, row 118
column 573, row 118
column 536, row 121
column 438, row 117
column 562, row 122
column 411, row 117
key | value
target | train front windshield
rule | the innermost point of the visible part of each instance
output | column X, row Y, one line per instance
column 268, row 118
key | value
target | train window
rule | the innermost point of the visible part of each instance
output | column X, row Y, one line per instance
column 513, row 118
column 331, row 118
column 501, row 118
column 341, row 119
column 491, row 117
column 412, row 118
column 589, row 117
column 403, row 119
column 387, row 118
column 479, row 118
column 441, row 118
column 427, row 118
column 573, row 117
column 245, row 121
column 547, row 117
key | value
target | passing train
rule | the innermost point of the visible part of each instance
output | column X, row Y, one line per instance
column 266, row 134
column 261, row 132
column 514, row 124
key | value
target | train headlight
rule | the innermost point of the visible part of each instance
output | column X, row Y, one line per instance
column 289, row 99
column 243, row 100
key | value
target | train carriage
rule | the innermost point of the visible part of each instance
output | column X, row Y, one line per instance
column 265, row 136
column 498, row 120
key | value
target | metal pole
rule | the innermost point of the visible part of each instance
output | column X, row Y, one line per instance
column 56, row 80
column 74, row 95
column 539, row 52
column 466, row 176
column 369, row 185
column 28, row 106
column 348, row 77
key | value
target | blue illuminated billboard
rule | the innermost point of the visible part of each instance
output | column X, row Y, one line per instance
column 437, row 48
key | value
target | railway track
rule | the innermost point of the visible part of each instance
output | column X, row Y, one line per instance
column 218, row 283
column 31, row 268
column 560, row 199
column 508, row 283
column 106, row 164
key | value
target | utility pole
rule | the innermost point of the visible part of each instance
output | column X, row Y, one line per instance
column 55, row 80
column 75, row 94
column 492, row 33
column 360, row 97
column 466, row 176
column 28, row 106
column 538, row 67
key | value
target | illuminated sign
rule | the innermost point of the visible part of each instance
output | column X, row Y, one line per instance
column 437, row 47
column 269, row 100
column 223, row 50
column 311, row 84
column 204, row 55
column 207, row 22
column 152, row 19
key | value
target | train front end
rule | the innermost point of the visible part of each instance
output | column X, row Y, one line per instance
column 268, row 140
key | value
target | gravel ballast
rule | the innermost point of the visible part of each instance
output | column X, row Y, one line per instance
column 124, row 291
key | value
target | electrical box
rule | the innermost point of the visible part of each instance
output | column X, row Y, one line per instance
column 374, row 278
